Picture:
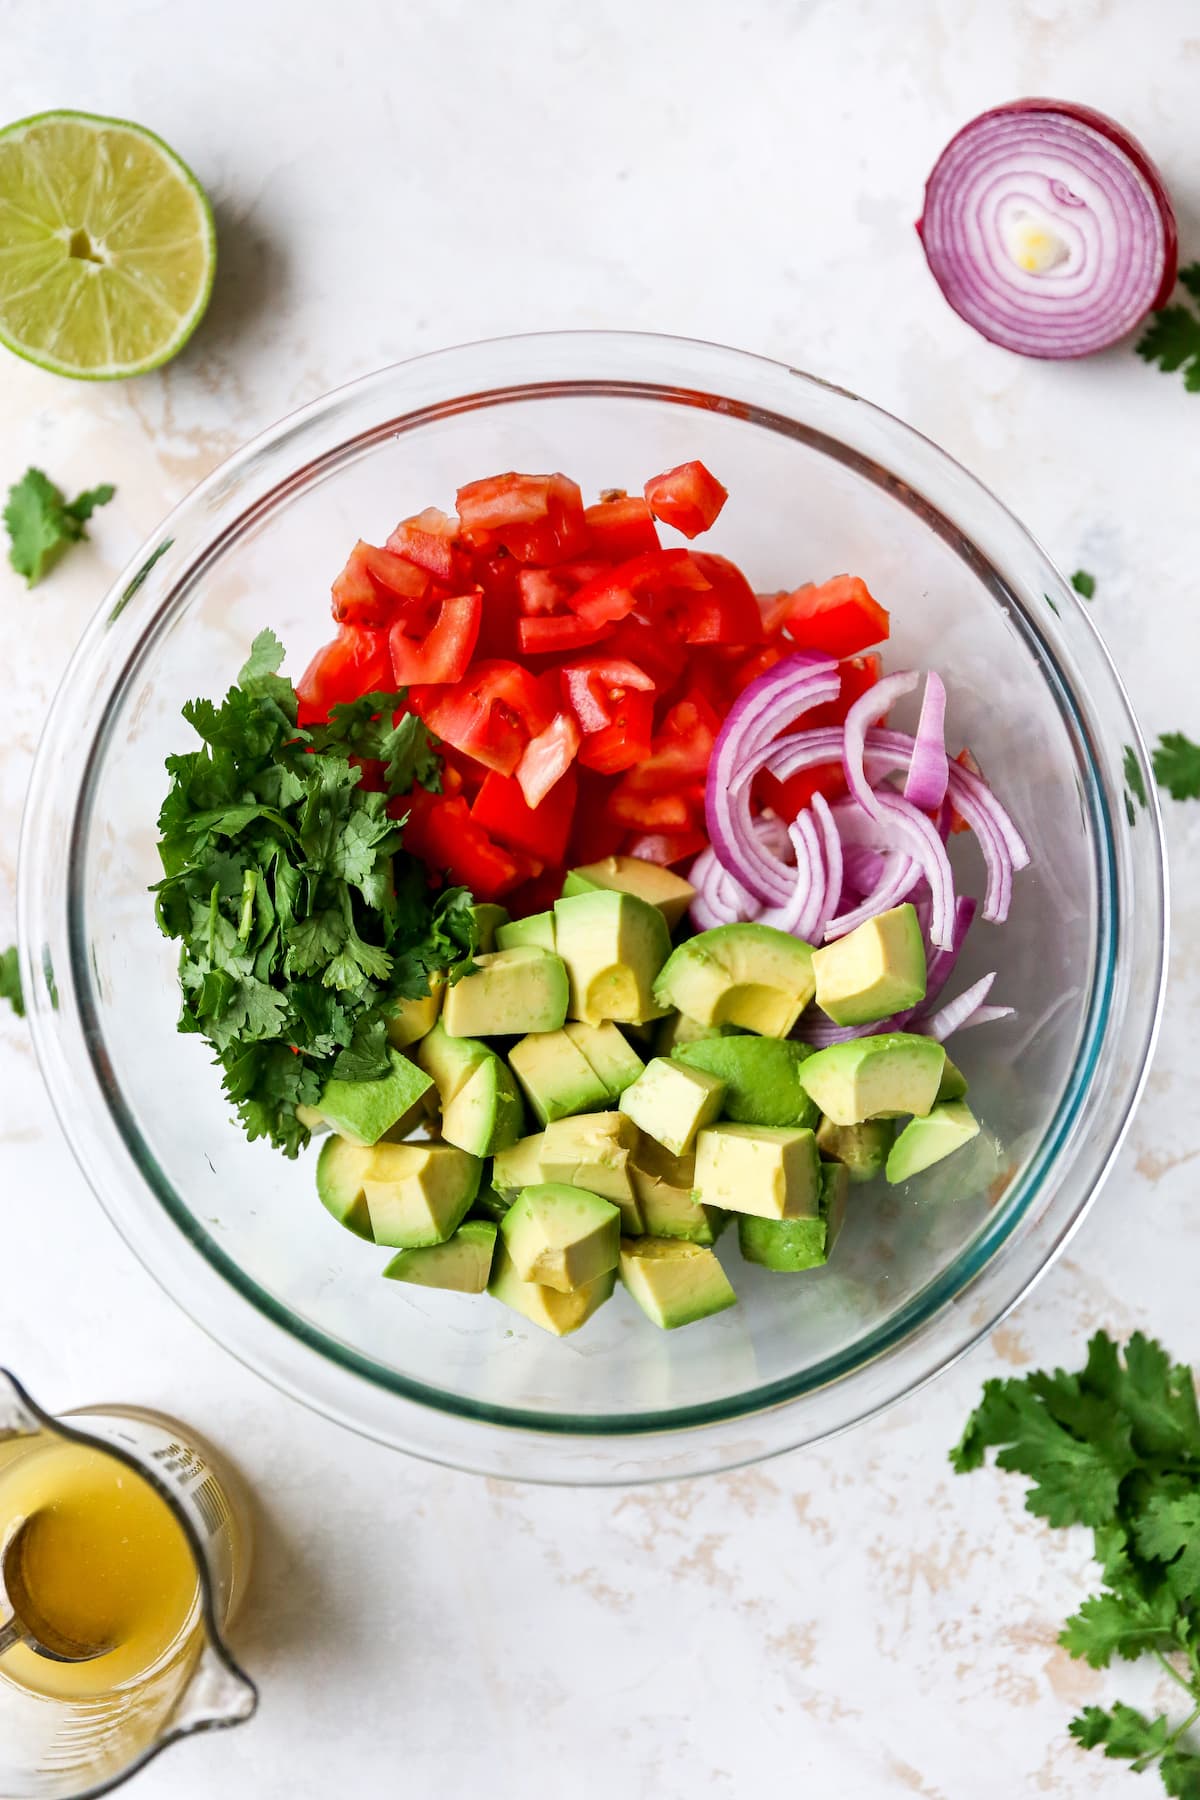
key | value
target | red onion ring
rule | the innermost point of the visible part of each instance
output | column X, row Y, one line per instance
column 1048, row 228
column 929, row 771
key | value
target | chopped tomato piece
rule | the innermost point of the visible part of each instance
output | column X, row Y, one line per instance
column 547, row 757
column 491, row 714
column 795, row 795
column 594, row 834
column 681, row 750
column 596, row 685
column 689, row 498
column 661, row 655
column 441, row 831
column 650, row 812
column 536, row 518
column 621, row 527
column 373, row 584
column 625, row 741
column 639, row 582
column 838, row 616
column 667, row 847
column 561, row 633
column 773, row 609
column 440, row 651
column 356, row 662
column 549, row 590
column 429, row 539
column 542, row 830
column 965, row 760
column 727, row 613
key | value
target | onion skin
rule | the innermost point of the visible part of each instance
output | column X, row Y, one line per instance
column 1133, row 152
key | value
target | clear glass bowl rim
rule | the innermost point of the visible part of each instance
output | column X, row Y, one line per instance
column 894, row 1359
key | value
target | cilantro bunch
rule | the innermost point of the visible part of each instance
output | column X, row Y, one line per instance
column 1117, row 1448
column 299, row 916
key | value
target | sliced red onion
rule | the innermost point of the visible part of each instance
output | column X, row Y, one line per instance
column 954, row 1015
column 898, row 876
column 867, row 710
column 929, row 771
column 1048, row 228
column 902, row 827
column 831, row 845
column 803, row 911
column 861, row 869
column 940, row 966
column 987, row 1015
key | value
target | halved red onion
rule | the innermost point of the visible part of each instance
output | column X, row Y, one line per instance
column 929, row 771
column 1048, row 228
column 867, row 710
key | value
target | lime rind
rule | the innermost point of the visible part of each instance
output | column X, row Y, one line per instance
column 32, row 253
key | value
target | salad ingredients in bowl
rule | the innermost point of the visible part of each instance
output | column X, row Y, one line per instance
column 336, row 855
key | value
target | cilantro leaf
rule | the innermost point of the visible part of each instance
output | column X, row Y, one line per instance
column 1189, row 278
column 41, row 522
column 1172, row 340
column 10, row 981
column 1109, row 1625
column 1180, row 1771
column 1177, row 765
column 1123, row 1731
column 1083, row 583
column 1134, row 779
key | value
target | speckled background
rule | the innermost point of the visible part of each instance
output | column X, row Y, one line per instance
column 389, row 178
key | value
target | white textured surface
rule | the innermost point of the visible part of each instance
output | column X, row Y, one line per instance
column 390, row 178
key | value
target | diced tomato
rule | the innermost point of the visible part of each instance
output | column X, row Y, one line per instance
column 660, row 654
column 547, row 757
column 536, row 518
column 429, row 539
column 681, row 750
column 755, row 663
column 373, row 584
column 773, row 609
column 965, row 760
column 542, row 830
column 596, row 685
column 838, row 616
column 726, row 614
column 649, row 812
column 491, row 714
column 667, row 847
column 539, row 893
column 544, row 591
column 439, row 651
column 443, row 834
column 621, row 527
column 641, row 581
column 859, row 674
column 594, row 834
column 689, row 498
column 356, row 662
column 791, row 797
column 557, row 635
column 625, row 741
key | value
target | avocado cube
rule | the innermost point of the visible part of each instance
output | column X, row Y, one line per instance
column 664, row 1185
column 463, row 1263
column 537, row 929
column 510, row 992
column 670, row 1103
column 489, row 1205
column 613, row 945
column 340, row 1170
column 409, row 1020
column 634, row 875
column 796, row 1244
column 895, row 1072
column 861, row 1149
column 926, row 1141
column 773, row 1171
column 592, row 1151
column 953, row 1085
column 561, row 1237
column 748, row 974
column 761, row 1076
column 363, row 1110
column 488, row 920
column 519, row 1166
column 553, row 1311
column 676, row 1029
column 556, row 1076
column 481, row 1107
column 674, row 1283
column 875, row 970
column 418, row 1194
column 614, row 1059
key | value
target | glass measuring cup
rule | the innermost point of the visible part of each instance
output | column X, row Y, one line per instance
column 69, row 1731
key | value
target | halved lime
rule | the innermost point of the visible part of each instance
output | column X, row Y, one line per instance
column 107, row 246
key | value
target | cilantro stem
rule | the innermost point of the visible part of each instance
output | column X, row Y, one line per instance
column 1173, row 1672
column 1180, row 1729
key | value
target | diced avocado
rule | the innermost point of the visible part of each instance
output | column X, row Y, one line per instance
column 796, row 1244
column 518, row 1167
column 419, row 1194
column 634, row 875
column 895, row 1072
column 363, row 1110
column 614, row 1059
column 861, row 1149
column 773, row 1171
column 614, row 946
column 926, row 1141
column 953, row 1085
column 553, row 1311
column 675, row 1283
column 670, row 1103
column 761, row 1076
column 675, row 1030
column 749, row 975
column 340, row 1170
column 481, row 1108
column 510, row 992
column 463, row 1263
column 592, row 1151
column 488, row 1204
column 409, row 1020
column 537, row 929
column 557, row 1077
column 875, row 970
column 664, row 1187
column 488, row 920
column 561, row 1237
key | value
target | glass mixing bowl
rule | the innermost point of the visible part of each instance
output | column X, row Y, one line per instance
column 819, row 481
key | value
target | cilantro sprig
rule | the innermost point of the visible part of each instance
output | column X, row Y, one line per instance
column 10, row 981
column 42, row 523
column 1177, row 765
column 299, row 916
column 1116, row 1447
column 1172, row 338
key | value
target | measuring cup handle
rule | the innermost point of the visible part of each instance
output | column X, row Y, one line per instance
column 10, row 1634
